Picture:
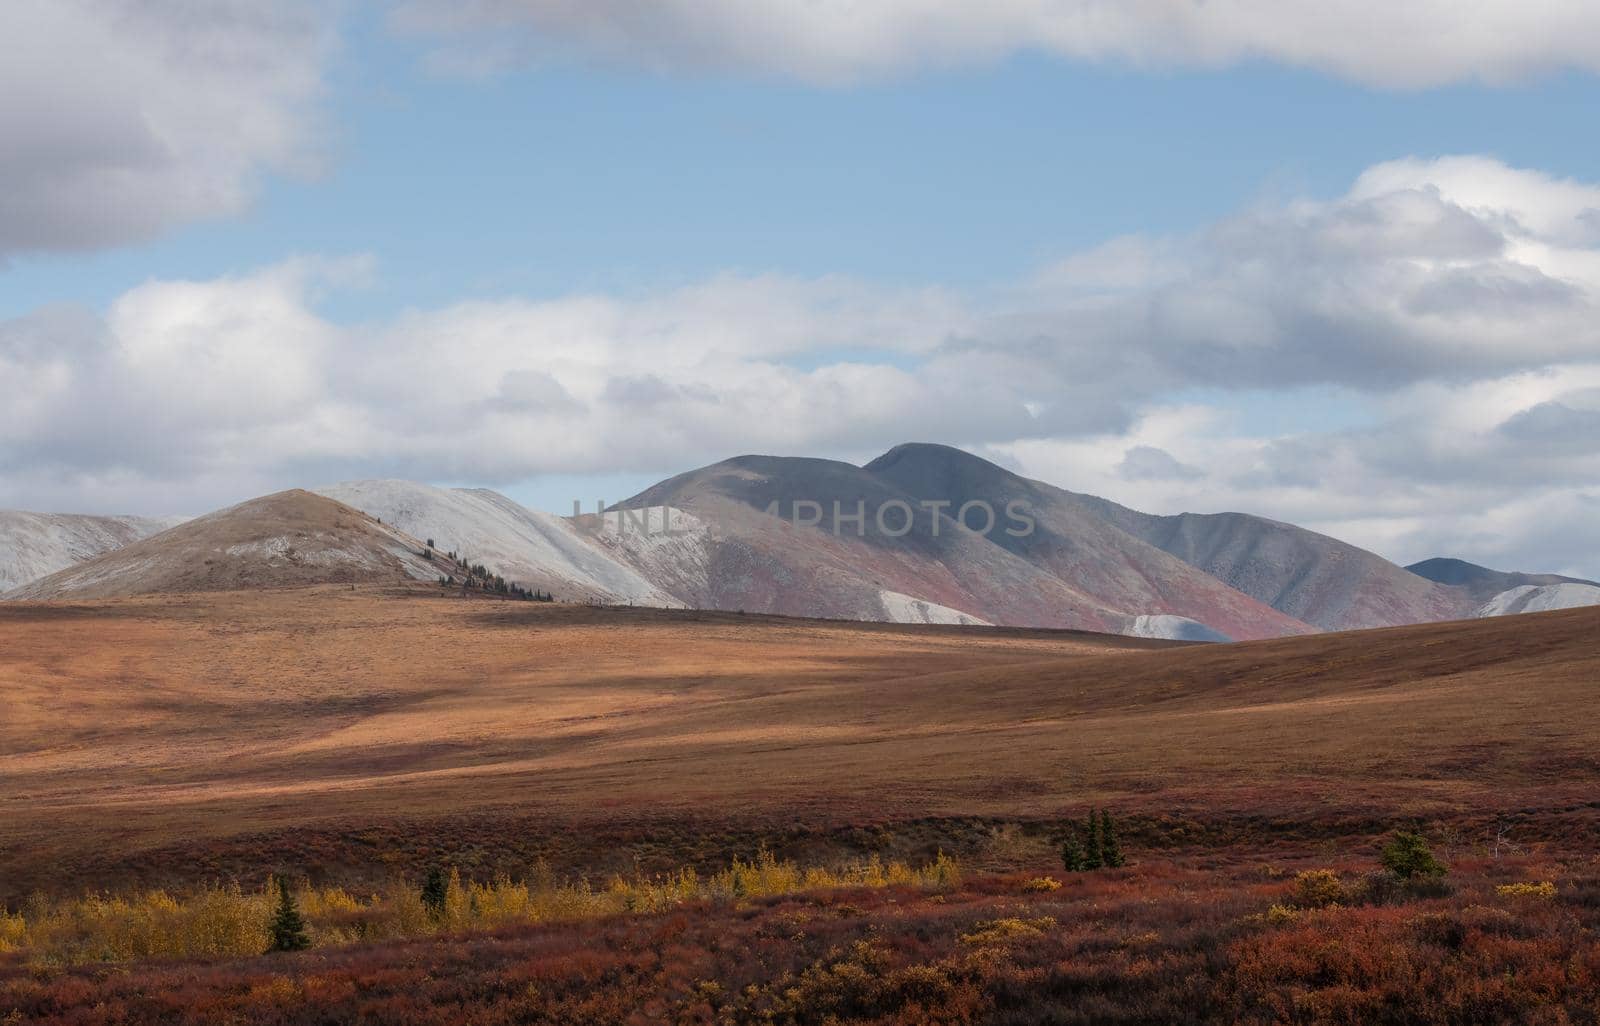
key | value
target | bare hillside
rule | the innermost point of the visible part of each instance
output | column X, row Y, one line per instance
column 289, row 539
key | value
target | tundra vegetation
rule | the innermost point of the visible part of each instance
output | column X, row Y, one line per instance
column 226, row 920
column 1225, row 938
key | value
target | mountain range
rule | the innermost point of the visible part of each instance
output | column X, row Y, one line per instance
column 923, row 533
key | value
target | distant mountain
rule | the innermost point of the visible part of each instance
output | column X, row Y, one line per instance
column 293, row 538
column 1481, row 582
column 535, row 549
column 1309, row 576
column 820, row 537
column 735, row 554
column 33, row 545
column 1074, row 542
column 922, row 534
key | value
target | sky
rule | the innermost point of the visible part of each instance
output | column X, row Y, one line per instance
column 1333, row 263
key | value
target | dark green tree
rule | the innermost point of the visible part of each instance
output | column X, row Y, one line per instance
column 434, row 889
column 1094, row 856
column 1072, row 852
column 1111, row 852
column 288, row 929
column 1408, row 856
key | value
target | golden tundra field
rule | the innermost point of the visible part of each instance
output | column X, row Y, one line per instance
column 391, row 806
column 143, row 738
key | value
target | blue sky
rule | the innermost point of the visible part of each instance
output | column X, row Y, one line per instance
column 592, row 226
column 586, row 177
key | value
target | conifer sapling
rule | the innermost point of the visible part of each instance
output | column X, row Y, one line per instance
column 288, row 929
column 1094, row 853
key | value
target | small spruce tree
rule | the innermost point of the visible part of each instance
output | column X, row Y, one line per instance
column 435, row 888
column 1094, row 852
column 1408, row 856
column 1072, row 852
column 288, row 929
column 1110, row 850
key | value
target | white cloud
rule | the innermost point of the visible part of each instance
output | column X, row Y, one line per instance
column 1411, row 44
column 123, row 118
column 1456, row 297
column 1458, row 268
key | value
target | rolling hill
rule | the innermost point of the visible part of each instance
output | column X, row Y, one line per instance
column 289, row 539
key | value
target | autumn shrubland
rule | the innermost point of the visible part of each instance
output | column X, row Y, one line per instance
column 1166, row 941
column 524, row 812
column 218, row 921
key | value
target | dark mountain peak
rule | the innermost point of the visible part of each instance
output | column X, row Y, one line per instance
column 776, row 465
column 931, row 454
column 1448, row 570
column 1481, row 581
column 756, row 480
column 929, row 470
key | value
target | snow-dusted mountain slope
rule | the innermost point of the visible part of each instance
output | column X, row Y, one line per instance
column 35, row 545
column 1530, row 598
column 900, row 608
column 1173, row 628
column 530, row 547
column 670, row 547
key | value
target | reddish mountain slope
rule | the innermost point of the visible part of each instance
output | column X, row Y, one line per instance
column 1077, row 546
column 1072, row 571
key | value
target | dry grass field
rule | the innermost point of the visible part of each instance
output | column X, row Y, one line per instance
column 177, row 724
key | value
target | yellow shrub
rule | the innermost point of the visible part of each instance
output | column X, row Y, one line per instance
column 13, row 928
column 1279, row 914
column 501, row 901
column 1042, row 884
column 317, row 903
column 942, row 872
column 1543, row 891
column 1318, row 888
column 220, row 922
column 1000, row 932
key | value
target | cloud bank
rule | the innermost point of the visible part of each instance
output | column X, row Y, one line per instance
column 1454, row 301
column 1412, row 44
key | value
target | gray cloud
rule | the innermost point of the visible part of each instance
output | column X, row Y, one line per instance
column 1555, row 427
column 123, row 118
column 1148, row 463
column 1413, row 44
